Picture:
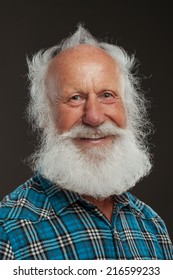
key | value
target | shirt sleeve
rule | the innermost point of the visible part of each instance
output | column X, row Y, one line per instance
column 6, row 252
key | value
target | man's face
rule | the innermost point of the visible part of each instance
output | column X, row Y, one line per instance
column 85, row 87
column 78, row 151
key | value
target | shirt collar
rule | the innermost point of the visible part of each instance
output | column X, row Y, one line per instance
column 60, row 198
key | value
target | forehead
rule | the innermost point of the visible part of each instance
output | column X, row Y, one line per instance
column 81, row 55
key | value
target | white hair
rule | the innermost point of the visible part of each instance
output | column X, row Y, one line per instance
column 38, row 111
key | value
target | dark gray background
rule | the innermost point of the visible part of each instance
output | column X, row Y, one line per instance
column 139, row 26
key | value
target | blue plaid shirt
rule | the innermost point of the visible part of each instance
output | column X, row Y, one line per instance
column 40, row 221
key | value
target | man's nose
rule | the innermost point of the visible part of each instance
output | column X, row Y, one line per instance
column 93, row 113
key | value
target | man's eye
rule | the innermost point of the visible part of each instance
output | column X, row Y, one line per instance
column 76, row 99
column 107, row 95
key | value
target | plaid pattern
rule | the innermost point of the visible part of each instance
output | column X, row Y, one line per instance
column 40, row 221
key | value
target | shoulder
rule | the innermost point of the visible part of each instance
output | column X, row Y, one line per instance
column 28, row 202
column 146, row 213
column 145, row 210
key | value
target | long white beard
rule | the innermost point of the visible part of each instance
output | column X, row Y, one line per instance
column 97, row 172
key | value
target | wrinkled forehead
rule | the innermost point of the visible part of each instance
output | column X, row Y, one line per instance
column 81, row 54
column 68, row 62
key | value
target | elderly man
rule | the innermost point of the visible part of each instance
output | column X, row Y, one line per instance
column 91, row 117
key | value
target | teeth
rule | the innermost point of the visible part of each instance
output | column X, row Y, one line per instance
column 93, row 137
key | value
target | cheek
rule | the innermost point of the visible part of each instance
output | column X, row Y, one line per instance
column 66, row 118
column 121, row 119
column 118, row 115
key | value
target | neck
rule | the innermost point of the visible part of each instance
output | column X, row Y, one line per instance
column 105, row 206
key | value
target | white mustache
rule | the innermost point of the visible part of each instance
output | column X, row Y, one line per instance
column 83, row 131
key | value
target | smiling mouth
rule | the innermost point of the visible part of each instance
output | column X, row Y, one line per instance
column 95, row 140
